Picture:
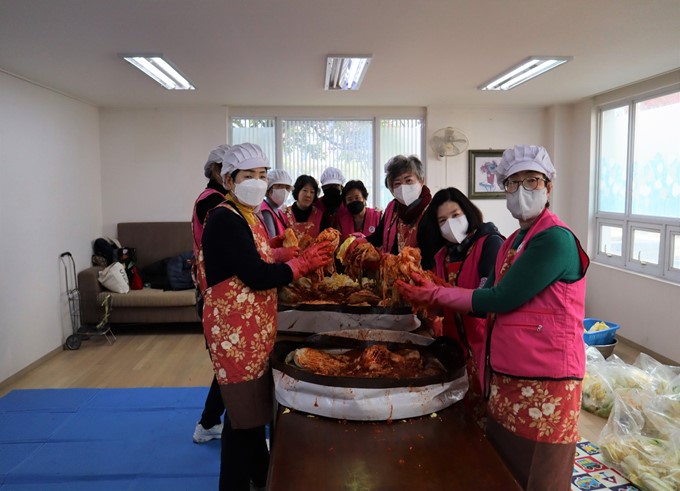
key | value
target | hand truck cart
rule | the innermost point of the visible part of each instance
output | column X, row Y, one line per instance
column 81, row 332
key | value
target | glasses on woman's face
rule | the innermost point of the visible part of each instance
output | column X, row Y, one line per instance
column 528, row 183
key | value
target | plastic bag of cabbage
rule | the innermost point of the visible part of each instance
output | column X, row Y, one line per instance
column 642, row 438
column 604, row 377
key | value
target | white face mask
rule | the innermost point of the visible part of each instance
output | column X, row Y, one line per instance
column 251, row 192
column 455, row 229
column 408, row 193
column 279, row 196
column 525, row 205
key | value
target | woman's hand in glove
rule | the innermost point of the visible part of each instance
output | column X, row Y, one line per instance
column 426, row 293
column 285, row 254
column 314, row 257
column 421, row 294
column 276, row 242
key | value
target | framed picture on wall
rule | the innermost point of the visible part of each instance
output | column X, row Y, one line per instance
column 482, row 182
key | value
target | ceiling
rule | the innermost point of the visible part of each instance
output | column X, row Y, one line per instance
column 272, row 52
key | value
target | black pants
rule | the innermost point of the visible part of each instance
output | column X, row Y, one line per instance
column 245, row 458
column 214, row 407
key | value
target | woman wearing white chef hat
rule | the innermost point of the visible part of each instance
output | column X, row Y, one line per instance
column 239, row 315
column 279, row 188
column 535, row 304
column 332, row 181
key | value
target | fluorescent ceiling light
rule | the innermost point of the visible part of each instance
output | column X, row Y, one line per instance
column 524, row 71
column 160, row 70
column 345, row 72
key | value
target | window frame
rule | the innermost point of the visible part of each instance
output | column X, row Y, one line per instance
column 673, row 274
column 611, row 259
column 375, row 117
column 667, row 227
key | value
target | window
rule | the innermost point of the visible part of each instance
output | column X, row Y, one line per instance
column 638, row 185
column 358, row 146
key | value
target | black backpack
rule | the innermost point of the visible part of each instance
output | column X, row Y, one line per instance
column 179, row 271
column 104, row 250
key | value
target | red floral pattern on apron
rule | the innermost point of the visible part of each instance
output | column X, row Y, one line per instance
column 538, row 410
column 240, row 323
column 310, row 227
column 406, row 234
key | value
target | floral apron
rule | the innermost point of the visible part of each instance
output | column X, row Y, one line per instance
column 240, row 327
column 311, row 227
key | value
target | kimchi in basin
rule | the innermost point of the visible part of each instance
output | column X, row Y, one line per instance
column 359, row 378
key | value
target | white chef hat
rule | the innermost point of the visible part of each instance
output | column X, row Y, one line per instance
column 216, row 156
column 244, row 156
column 525, row 157
column 279, row 176
column 332, row 175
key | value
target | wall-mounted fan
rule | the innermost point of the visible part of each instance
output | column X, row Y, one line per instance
column 448, row 142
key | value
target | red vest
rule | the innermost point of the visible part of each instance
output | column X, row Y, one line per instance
column 346, row 222
column 543, row 338
column 468, row 277
column 279, row 224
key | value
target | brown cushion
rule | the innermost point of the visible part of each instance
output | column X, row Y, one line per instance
column 151, row 297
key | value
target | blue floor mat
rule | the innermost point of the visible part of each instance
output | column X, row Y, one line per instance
column 105, row 439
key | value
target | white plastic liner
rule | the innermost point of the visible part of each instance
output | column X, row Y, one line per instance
column 367, row 404
column 322, row 322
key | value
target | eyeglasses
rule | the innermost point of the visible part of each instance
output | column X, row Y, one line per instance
column 529, row 183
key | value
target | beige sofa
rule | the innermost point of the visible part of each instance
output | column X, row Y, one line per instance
column 153, row 242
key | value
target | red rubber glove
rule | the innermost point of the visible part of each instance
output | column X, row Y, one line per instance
column 276, row 242
column 353, row 245
column 426, row 294
column 285, row 254
column 314, row 257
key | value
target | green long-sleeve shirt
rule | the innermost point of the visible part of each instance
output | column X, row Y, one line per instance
column 550, row 256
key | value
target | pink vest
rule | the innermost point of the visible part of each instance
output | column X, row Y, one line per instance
column 312, row 226
column 391, row 229
column 544, row 337
column 196, row 225
column 279, row 224
column 346, row 222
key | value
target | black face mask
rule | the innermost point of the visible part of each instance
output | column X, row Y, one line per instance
column 355, row 207
column 332, row 199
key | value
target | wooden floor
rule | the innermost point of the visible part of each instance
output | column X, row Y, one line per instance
column 144, row 357
column 140, row 357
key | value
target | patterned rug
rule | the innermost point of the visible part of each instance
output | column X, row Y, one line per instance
column 591, row 473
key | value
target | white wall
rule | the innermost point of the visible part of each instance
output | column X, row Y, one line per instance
column 152, row 161
column 486, row 128
column 49, row 203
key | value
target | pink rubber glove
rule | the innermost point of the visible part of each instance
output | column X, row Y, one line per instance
column 454, row 298
column 285, row 254
column 426, row 294
column 314, row 257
